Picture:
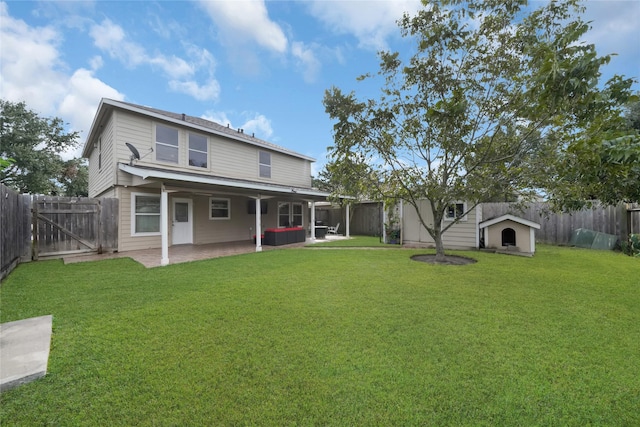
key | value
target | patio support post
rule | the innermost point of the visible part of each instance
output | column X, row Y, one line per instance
column 164, row 225
column 258, row 225
column 313, row 221
column 346, row 223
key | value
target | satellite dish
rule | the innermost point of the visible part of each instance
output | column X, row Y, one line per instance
column 135, row 155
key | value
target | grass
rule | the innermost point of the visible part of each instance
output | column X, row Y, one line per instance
column 348, row 337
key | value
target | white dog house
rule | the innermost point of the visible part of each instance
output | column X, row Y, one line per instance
column 510, row 233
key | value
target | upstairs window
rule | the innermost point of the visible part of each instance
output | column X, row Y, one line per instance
column 455, row 211
column 265, row 164
column 198, row 150
column 166, row 144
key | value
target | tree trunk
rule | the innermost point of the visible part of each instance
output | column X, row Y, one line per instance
column 439, row 244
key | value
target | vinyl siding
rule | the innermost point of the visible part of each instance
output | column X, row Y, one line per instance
column 461, row 235
column 102, row 178
column 236, row 160
column 226, row 158
column 240, row 227
column 127, row 242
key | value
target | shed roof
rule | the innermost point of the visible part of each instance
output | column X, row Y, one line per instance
column 509, row 217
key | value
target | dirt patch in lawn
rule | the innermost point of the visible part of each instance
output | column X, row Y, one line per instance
column 448, row 259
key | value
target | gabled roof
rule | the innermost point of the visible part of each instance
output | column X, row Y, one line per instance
column 183, row 120
column 509, row 217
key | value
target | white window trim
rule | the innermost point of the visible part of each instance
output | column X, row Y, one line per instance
column 291, row 214
column 228, row 217
column 264, row 164
column 156, row 142
column 464, row 210
column 189, row 150
column 133, row 216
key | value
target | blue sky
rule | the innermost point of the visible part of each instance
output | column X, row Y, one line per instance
column 260, row 66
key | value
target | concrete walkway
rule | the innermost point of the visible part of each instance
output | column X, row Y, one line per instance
column 24, row 350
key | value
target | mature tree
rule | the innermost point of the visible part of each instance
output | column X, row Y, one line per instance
column 632, row 113
column 344, row 180
column 35, row 144
column 603, row 165
column 479, row 110
column 74, row 178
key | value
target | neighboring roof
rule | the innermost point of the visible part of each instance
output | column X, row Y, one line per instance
column 509, row 217
column 185, row 121
column 146, row 172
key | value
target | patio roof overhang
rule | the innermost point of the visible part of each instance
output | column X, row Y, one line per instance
column 168, row 181
column 195, row 182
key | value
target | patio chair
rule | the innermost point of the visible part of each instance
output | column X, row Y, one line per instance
column 333, row 230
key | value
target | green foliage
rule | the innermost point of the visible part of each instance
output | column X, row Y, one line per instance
column 5, row 163
column 632, row 246
column 603, row 161
column 333, row 337
column 74, row 178
column 35, row 145
column 481, row 109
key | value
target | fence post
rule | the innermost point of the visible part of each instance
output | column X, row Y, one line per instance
column 99, row 225
column 34, row 211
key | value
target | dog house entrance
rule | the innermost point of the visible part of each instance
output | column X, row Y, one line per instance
column 508, row 237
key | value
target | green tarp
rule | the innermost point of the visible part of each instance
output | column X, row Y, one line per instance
column 590, row 239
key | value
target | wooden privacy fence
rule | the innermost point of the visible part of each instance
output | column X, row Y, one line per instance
column 68, row 225
column 15, row 229
column 366, row 218
column 556, row 228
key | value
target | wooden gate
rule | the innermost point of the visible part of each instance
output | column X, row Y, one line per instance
column 71, row 225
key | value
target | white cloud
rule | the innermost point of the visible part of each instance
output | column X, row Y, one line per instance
column 252, row 123
column 42, row 80
column 37, row 78
column 246, row 21
column 209, row 91
column 259, row 125
column 80, row 103
column 112, row 39
column 306, row 60
column 615, row 30
column 219, row 117
column 371, row 22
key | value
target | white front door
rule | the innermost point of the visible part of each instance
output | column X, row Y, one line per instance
column 182, row 224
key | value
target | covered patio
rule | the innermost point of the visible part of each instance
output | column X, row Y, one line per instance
column 189, row 190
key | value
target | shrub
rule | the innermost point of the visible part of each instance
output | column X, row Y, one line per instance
column 632, row 246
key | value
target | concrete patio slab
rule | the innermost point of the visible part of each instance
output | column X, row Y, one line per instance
column 24, row 350
column 150, row 258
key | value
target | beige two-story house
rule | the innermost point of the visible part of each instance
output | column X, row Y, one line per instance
column 185, row 180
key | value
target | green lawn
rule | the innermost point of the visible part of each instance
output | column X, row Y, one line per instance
column 334, row 337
